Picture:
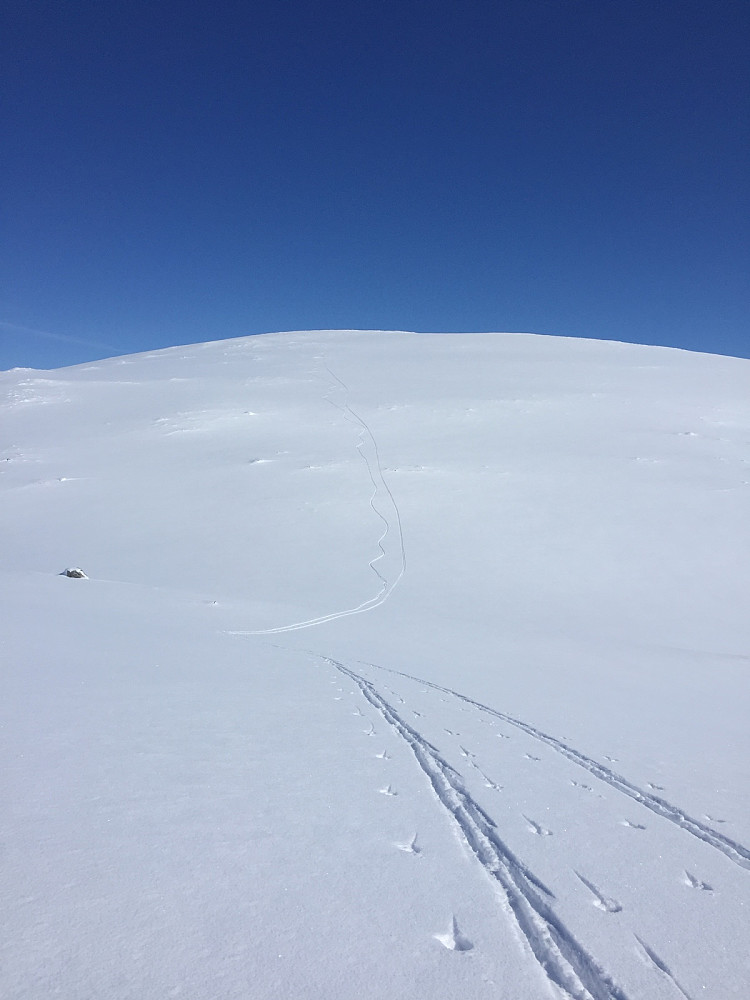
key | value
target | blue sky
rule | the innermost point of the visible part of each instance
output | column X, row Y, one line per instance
column 179, row 172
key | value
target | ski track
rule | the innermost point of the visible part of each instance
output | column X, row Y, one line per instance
column 736, row 852
column 562, row 959
column 380, row 490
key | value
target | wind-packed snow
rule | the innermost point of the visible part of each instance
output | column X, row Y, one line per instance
column 405, row 667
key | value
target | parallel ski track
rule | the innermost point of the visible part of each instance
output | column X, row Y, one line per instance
column 380, row 489
column 736, row 852
column 564, row 962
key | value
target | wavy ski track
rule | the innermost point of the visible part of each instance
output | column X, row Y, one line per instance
column 736, row 852
column 381, row 491
column 564, row 962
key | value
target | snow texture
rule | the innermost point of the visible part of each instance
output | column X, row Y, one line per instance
column 403, row 666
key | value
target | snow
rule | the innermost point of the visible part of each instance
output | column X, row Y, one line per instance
column 407, row 666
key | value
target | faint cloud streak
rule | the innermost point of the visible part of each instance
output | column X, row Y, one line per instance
column 60, row 337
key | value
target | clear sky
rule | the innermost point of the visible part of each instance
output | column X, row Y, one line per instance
column 187, row 171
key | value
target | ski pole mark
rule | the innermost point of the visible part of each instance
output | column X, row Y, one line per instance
column 561, row 958
column 695, row 883
column 454, row 940
column 489, row 782
column 732, row 849
column 601, row 901
column 535, row 828
column 411, row 846
column 661, row 965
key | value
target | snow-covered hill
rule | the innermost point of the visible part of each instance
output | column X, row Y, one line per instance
column 408, row 666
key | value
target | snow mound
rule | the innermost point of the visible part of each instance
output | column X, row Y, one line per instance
column 385, row 628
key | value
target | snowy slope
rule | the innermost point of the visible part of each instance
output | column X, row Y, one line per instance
column 408, row 666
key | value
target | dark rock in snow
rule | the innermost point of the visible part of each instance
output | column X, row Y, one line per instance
column 75, row 573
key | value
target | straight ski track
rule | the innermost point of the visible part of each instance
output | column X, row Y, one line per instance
column 736, row 852
column 562, row 959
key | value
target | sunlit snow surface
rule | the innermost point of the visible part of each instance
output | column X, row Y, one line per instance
column 408, row 666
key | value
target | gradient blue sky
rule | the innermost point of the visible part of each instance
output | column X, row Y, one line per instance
column 177, row 172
